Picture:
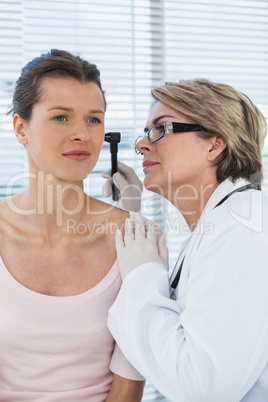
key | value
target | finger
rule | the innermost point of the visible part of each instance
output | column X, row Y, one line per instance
column 129, row 232
column 123, row 168
column 120, row 181
column 139, row 227
column 163, row 250
column 119, row 241
column 152, row 230
column 129, row 174
column 130, row 194
column 107, row 188
column 106, row 174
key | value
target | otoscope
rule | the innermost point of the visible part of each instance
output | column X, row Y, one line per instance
column 113, row 139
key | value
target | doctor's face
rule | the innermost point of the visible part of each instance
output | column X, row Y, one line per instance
column 177, row 159
column 65, row 133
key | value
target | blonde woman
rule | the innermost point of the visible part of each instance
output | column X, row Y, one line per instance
column 200, row 333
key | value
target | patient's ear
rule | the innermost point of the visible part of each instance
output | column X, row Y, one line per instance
column 217, row 146
column 19, row 125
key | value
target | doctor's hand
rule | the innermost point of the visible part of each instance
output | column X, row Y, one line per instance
column 129, row 185
column 139, row 245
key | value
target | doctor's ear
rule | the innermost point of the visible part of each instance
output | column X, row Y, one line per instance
column 19, row 125
column 217, row 146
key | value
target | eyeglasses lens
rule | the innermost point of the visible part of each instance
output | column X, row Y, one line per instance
column 156, row 132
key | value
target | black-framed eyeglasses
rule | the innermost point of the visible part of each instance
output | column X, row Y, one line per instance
column 160, row 130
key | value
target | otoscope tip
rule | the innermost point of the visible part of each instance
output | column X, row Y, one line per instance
column 113, row 137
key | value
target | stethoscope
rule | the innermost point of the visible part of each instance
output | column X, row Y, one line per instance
column 176, row 280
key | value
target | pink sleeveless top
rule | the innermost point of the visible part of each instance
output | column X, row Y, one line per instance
column 55, row 349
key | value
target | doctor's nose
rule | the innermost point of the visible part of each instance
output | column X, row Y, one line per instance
column 142, row 145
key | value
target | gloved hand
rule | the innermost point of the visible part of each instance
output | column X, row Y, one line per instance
column 129, row 185
column 139, row 245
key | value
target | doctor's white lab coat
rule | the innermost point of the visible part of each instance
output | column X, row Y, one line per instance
column 211, row 343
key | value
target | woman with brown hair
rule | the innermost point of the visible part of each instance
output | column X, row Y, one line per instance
column 58, row 269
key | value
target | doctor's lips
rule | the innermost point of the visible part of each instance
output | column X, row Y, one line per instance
column 147, row 164
column 77, row 155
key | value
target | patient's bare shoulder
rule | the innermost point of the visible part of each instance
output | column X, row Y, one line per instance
column 107, row 212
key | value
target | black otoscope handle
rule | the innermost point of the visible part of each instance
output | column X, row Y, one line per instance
column 114, row 150
column 114, row 139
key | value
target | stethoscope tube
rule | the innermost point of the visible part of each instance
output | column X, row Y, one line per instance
column 175, row 282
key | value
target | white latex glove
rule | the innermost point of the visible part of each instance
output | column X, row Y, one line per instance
column 139, row 245
column 129, row 185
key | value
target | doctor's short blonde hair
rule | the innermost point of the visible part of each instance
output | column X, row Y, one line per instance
column 225, row 112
